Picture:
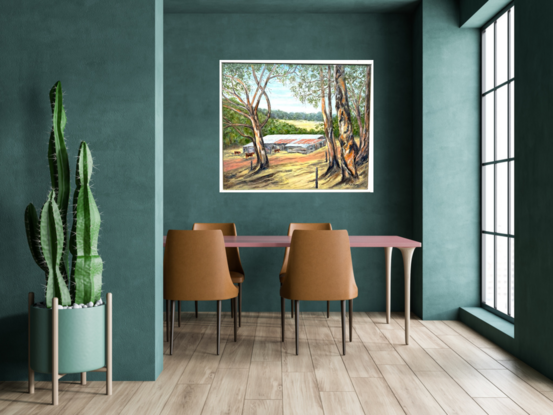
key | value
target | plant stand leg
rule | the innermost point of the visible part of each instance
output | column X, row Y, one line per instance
column 109, row 350
column 31, row 371
column 83, row 378
column 55, row 377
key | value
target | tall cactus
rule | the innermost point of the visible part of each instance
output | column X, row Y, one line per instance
column 47, row 234
column 52, row 240
column 87, row 264
column 59, row 175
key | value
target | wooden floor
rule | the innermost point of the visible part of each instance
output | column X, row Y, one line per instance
column 447, row 369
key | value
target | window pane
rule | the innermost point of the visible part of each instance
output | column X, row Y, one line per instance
column 488, row 198
column 512, row 265
column 512, row 119
column 488, row 59
column 512, row 42
column 488, row 128
column 501, row 198
column 502, row 262
column 501, row 44
column 488, row 268
column 511, row 197
column 502, row 123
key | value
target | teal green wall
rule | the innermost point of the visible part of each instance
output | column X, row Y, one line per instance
column 533, row 183
column 447, row 155
column 104, row 54
column 194, row 44
column 476, row 13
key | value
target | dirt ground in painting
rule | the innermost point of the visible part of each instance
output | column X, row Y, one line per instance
column 287, row 171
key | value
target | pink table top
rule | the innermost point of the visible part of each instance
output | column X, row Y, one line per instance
column 283, row 241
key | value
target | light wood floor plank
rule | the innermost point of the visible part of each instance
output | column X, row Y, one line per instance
column 498, row 353
column 189, row 399
column 331, row 374
column 519, row 391
column 323, row 348
column 378, row 347
column 390, row 326
column 472, row 381
column 500, row 406
column 238, row 355
column 411, row 393
column 359, row 362
column 426, row 339
column 226, row 395
column 439, row 328
column 377, row 316
column 394, row 336
column 449, row 394
column 417, row 358
column 319, row 332
column 472, row 354
column 369, row 333
column 262, row 407
column 301, row 394
column 265, row 381
column 296, row 363
column 470, row 334
column 341, row 403
column 376, row 397
column 123, row 394
column 387, row 357
column 529, row 375
column 337, row 334
column 548, row 395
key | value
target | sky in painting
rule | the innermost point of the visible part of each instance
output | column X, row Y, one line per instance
column 282, row 99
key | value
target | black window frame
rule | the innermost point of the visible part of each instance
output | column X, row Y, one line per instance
column 509, row 161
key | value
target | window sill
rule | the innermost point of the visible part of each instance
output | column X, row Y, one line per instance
column 496, row 329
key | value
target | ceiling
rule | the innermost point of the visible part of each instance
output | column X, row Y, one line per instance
column 290, row 6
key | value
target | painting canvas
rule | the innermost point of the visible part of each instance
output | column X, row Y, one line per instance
column 296, row 126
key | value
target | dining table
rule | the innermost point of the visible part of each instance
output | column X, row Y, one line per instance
column 405, row 246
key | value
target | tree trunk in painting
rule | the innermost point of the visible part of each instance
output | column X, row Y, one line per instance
column 365, row 133
column 347, row 142
column 259, row 144
column 333, row 162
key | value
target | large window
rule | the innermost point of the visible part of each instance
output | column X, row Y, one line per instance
column 498, row 165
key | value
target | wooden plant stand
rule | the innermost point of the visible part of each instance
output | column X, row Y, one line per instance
column 55, row 356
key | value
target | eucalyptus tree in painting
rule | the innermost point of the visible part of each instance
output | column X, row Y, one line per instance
column 279, row 132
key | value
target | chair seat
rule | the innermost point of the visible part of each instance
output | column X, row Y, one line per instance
column 281, row 277
column 237, row 277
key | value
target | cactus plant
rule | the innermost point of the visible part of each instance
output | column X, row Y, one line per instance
column 47, row 234
column 87, row 264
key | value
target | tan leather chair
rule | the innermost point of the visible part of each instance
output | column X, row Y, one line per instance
column 304, row 226
column 195, row 269
column 233, row 258
column 320, row 269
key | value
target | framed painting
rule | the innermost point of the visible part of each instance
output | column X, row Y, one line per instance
column 296, row 126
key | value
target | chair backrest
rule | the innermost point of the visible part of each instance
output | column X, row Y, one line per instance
column 306, row 227
column 228, row 229
column 319, row 267
column 195, row 267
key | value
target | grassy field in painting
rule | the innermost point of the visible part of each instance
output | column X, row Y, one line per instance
column 287, row 171
column 307, row 125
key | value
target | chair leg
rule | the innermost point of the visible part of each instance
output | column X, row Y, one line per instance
column 235, row 300
column 218, row 325
column 343, row 326
column 297, row 306
column 166, row 320
column 328, row 309
column 292, row 308
column 282, row 306
column 179, row 313
column 231, row 308
column 240, row 305
column 350, row 320
column 172, row 325
column 196, row 309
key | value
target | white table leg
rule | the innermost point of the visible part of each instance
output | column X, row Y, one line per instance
column 407, row 257
column 388, row 253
